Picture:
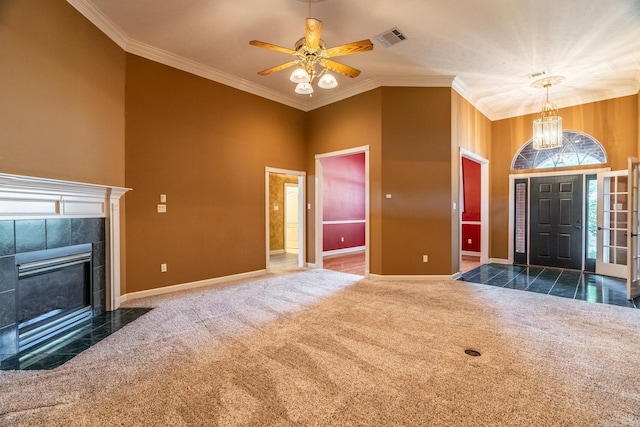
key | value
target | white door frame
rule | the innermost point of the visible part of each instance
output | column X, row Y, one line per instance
column 484, row 205
column 513, row 177
column 319, row 204
column 633, row 257
column 301, row 216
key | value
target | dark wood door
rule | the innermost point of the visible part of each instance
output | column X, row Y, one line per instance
column 556, row 221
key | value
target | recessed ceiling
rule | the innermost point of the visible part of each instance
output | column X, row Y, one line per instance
column 486, row 50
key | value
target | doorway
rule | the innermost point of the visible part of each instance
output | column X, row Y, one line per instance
column 552, row 218
column 474, row 210
column 342, row 210
column 284, row 219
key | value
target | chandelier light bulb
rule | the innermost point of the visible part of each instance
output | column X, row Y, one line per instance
column 300, row 75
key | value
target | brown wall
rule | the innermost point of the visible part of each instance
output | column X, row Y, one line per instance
column 416, row 171
column 353, row 122
column 614, row 123
column 410, row 158
column 205, row 146
column 62, row 105
column 471, row 130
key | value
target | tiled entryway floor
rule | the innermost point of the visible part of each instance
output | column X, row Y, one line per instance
column 554, row 281
column 57, row 351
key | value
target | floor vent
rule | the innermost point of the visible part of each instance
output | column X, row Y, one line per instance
column 391, row 37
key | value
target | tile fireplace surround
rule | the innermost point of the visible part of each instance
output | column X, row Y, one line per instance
column 38, row 214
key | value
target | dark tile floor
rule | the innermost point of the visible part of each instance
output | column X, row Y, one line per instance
column 554, row 281
column 57, row 351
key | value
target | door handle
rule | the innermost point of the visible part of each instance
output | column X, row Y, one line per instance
column 634, row 234
column 579, row 227
column 599, row 228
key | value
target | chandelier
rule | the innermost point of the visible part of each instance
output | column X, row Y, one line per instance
column 547, row 129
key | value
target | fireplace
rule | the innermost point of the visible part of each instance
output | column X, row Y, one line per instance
column 59, row 257
column 54, row 292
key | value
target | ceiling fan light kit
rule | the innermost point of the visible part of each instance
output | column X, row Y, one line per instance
column 313, row 59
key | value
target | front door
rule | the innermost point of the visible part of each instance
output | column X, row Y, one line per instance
column 556, row 221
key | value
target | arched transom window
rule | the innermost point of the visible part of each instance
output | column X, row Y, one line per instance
column 577, row 149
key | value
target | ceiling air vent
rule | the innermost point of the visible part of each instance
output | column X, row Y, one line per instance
column 537, row 74
column 391, row 37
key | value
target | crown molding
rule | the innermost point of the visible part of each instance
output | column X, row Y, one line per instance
column 97, row 18
column 201, row 70
column 112, row 31
column 376, row 82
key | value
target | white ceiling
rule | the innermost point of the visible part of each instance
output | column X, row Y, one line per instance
column 485, row 49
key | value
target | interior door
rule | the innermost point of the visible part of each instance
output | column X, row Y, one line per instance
column 633, row 255
column 612, row 252
column 291, row 226
column 556, row 221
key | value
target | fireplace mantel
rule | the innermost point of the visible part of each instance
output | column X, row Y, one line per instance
column 25, row 197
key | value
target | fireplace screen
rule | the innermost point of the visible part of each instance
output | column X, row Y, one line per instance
column 54, row 292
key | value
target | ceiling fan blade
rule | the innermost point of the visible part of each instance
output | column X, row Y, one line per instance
column 277, row 68
column 349, row 48
column 312, row 37
column 340, row 68
column 272, row 47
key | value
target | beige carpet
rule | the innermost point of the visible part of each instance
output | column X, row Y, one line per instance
column 319, row 348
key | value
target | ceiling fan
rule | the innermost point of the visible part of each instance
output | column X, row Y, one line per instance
column 310, row 51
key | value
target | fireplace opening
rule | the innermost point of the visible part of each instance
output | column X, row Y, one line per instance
column 54, row 292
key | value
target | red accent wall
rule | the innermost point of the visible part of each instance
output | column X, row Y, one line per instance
column 332, row 233
column 471, row 192
column 343, row 200
column 471, row 179
column 471, row 231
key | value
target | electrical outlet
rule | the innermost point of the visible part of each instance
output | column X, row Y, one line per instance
column 425, row 258
column 469, row 241
column 163, row 268
column 162, row 208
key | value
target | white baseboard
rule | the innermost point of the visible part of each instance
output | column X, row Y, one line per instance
column 344, row 251
column 456, row 276
column 470, row 253
column 499, row 261
column 312, row 265
column 291, row 251
column 409, row 277
column 192, row 285
column 276, row 252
